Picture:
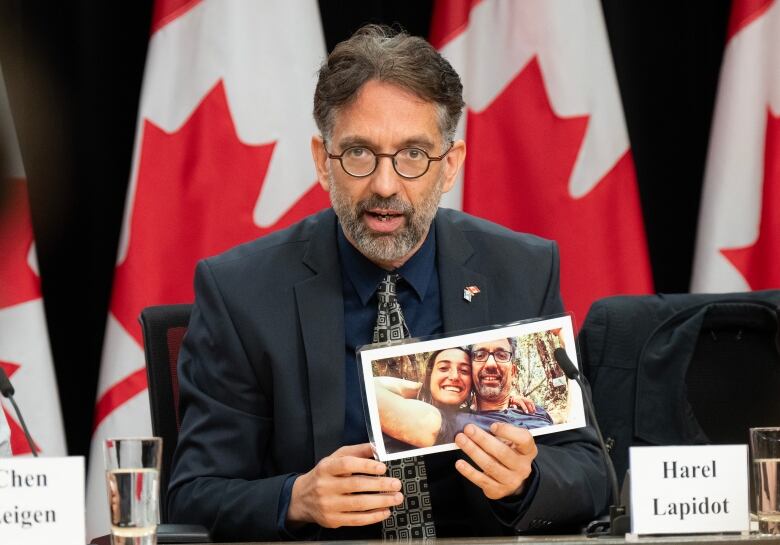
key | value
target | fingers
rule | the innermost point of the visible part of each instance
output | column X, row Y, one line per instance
column 363, row 450
column 361, row 519
column 344, row 490
column 358, row 510
column 522, row 403
column 528, row 406
column 354, row 501
column 355, row 519
column 496, row 459
column 348, row 475
column 490, row 487
column 353, row 459
column 504, row 458
column 357, row 484
column 508, row 447
column 349, row 465
column 521, row 438
column 362, row 484
column 359, row 503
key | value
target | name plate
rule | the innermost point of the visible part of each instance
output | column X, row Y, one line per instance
column 689, row 490
column 42, row 500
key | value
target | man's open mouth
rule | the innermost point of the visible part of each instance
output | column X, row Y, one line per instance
column 383, row 221
column 383, row 216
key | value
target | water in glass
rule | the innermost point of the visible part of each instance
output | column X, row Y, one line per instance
column 133, row 501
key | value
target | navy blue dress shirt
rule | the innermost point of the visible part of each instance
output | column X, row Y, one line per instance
column 418, row 295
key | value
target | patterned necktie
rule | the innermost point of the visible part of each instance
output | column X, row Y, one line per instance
column 414, row 518
column 390, row 324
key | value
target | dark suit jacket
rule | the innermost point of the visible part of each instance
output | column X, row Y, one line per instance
column 262, row 381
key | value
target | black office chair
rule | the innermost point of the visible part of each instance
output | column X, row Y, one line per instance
column 682, row 369
column 163, row 328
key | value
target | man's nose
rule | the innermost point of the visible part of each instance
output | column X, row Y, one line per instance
column 385, row 181
column 491, row 361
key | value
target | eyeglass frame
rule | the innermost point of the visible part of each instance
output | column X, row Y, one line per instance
column 391, row 156
column 491, row 353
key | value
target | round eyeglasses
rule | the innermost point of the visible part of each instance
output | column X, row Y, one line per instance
column 408, row 163
column 500, row 355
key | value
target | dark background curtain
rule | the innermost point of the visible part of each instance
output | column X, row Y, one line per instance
column 74, row 70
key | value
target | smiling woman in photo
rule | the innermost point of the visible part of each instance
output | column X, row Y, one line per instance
column 418, row 414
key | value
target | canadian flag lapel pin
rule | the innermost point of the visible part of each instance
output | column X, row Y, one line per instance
column 469, row 292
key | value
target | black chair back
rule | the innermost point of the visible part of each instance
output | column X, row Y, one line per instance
column 733, row 378
column 682, row 369
column 163, row 331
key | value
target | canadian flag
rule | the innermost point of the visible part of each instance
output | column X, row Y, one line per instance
column 221, row 157
column 738, row 238
column 24, row 341
column 548, row 149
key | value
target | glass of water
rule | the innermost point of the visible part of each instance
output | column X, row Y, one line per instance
column 133, row 477
column 765, row 456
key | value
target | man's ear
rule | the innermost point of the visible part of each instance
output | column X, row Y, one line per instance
column 453, row 162
column 321, row 161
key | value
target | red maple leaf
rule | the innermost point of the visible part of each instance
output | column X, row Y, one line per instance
column 517, row 172
column 18, row 440
column 758, row 262
column 195, row 194
column 19, row 282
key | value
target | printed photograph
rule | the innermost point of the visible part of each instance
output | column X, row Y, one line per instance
column 419, row 395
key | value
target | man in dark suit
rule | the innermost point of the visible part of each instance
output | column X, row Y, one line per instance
column 273, row 442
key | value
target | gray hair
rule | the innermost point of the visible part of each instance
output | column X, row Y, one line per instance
column 378, row 52
column 512, row 346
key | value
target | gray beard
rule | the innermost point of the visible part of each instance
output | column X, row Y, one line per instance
column 382, row 247
column 490, row 393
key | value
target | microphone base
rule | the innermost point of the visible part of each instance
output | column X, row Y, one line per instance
column 619, row 520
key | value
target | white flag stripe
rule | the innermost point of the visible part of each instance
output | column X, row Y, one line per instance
column 730, row 209
column 24, row 339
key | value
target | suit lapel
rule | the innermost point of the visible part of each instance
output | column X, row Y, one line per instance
column 455, row 259
column 321, row 312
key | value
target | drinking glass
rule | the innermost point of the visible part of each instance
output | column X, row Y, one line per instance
column 132, row 476
column 765, row 456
